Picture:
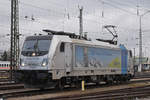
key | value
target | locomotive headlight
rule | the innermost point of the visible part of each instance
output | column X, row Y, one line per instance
column 44, row 62
column 22, row 63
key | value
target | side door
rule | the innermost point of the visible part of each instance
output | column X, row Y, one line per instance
column 124, row 61
column 68, row 57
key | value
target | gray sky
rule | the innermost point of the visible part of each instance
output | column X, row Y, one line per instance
column 62, row 15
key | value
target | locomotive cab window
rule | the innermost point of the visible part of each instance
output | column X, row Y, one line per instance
column 62, row 47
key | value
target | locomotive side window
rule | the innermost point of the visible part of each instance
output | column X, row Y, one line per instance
column 79, row 56
column 130, row 53
column 62, row 47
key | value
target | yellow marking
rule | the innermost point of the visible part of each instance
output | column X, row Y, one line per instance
column 3, row 77
column 83, row 86
column 115, row 63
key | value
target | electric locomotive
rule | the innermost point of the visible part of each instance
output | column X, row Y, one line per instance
column 61, row 58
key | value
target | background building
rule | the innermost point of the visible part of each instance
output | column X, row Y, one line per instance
column 145, row 63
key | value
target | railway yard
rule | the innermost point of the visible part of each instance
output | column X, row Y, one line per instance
column 74, row 50
column 136, row 88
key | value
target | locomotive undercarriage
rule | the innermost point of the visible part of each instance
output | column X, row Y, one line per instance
column 108, row 79
column 43, row 79
column 35, row 79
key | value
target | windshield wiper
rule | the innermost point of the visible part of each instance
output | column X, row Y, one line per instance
column 36, row 48
column 29, row 48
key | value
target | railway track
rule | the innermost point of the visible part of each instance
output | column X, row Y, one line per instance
column 4, row 79
column 16, row 90
column 11, row 86
column 26, row 92
column 7, row 83
column 103, row 95
column 142, row 75
column 109, row 95
column 19, row 93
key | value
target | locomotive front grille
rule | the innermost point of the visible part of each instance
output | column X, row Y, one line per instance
column 33, row 64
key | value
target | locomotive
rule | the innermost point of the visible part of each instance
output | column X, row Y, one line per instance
column 61, row 58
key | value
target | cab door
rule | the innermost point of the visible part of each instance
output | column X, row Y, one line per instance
column 124, row 61
column 68, row 57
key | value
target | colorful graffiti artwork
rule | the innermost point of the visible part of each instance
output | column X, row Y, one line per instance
column 97, row 57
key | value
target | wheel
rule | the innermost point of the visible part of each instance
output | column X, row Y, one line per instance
column 42, row 88
column 97, row 83
column 60, row 84
column 78, row 84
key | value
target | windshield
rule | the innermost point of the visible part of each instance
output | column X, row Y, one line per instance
column 29, row 45
column 37, row 46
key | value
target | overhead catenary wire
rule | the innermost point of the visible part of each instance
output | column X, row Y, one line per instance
column 114, row 6
column 63, row 13
column 91, row 20
column 53, row 3
column 44, row 9
column 38, row 7
column 86, row 19
column 122, row 3
column 25, row 29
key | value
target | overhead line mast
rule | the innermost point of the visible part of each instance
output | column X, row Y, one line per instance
column 81, row 22
column 14, row 53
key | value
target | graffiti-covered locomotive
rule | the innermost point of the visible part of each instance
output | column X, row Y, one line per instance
column 60, row 59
